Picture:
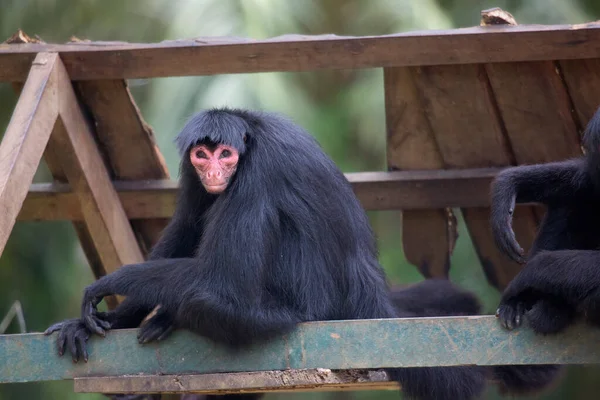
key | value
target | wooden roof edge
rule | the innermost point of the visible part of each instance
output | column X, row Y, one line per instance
column 221, row 55
column 36, row 45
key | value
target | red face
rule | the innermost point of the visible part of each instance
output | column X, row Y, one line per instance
column 214, row 167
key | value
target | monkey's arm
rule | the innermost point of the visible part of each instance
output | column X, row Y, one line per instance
column 218, row 293
column 179, row 239
column 550, row 184
column 562, row 280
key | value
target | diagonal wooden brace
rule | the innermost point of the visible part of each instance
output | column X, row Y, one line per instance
column 26, row 138
column 88, row 176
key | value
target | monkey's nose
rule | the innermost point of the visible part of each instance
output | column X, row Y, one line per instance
column 213, row 174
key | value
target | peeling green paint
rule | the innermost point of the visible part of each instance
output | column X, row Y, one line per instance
column 358, row 344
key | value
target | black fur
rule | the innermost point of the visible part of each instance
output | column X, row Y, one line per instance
column 561, row 276
column 286, row 242
column 561, row 279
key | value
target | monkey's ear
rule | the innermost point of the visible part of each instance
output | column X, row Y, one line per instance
column 245, row 138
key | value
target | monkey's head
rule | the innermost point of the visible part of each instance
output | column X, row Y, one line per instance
column 213, row 147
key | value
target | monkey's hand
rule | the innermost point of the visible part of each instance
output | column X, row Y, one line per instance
column 93, row 320
column 504, row 235
column 538, row 294
column 519, row 296
column 73, row 335
column 157, row 326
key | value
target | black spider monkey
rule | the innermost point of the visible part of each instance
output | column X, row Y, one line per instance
column 561, row 278
column 268, row 233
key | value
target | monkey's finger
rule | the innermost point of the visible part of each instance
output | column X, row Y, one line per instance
column 93, row 326
column 72, row 342
column 61, row 342
column 150, row 332
column 90, row 321
column 53, row 328
column 165, row 334
column 103, row 324
column 81, row 340
column 519, row 314
column 506, row 315
column 146, row 335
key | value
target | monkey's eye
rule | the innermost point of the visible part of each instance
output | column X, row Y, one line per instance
column 225, row 153
column 201, row 154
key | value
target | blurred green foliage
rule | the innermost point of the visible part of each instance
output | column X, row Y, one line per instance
column 43, row 265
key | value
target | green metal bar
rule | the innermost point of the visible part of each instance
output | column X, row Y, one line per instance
column 358, row 344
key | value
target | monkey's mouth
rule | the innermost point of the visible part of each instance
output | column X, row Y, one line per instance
column 215, row 188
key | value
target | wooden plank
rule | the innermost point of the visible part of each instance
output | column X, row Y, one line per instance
column 428, row 237
column 293, row 380
column 407, row 190
column 535, row 108
column 25, row 139
column 83, row 165
column 469, row 134
column 120, row 128
column 536, row 111
column 582, row 78
column 410, row 342
column 208, row 56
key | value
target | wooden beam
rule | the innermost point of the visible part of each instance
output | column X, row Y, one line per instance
column 428, row 236
column 209, row 56
column 25, row 139
column 358, row 344
column 85, row 170
column 407, row 190
column 119, row 128
column 293, row 380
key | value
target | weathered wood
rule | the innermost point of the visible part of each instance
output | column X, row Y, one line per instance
column 428, row 236
column 582, row 78
column 293, row 380
column 52, row 158
column 535, row 108
column 208, row 56
column 411, row 342
column 469, row 134
column 83, row 165
column 127, row 141
column 25, row 139
column 405, row 190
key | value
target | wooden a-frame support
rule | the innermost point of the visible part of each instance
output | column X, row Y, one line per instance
column 49, row 117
